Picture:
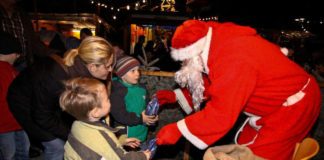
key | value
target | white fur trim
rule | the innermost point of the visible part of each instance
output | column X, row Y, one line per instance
column 191, row 50
column 291, row 100
column 205, row 53
column 192, row 138
column 184, row 104
column 284, row 51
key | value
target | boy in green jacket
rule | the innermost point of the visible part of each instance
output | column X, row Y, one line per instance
column 128, row 100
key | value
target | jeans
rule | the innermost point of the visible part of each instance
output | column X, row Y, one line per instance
column 54, row 149
column 14, row 146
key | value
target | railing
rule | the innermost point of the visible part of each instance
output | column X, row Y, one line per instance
column 157, row 73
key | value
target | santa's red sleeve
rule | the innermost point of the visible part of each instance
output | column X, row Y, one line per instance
column 184, row 98
column 231, row 85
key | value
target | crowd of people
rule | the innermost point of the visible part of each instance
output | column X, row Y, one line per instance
column 81, row 99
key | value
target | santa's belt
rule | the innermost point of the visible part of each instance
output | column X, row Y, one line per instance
column 252, row 119
column 293, row 99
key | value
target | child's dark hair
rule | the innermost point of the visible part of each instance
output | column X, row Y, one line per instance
column 80, row 96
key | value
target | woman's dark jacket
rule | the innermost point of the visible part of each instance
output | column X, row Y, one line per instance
column 33, row 99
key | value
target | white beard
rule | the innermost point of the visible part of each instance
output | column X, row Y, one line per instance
column 190, row 76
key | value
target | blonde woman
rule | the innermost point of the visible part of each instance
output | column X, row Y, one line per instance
column 34, row 95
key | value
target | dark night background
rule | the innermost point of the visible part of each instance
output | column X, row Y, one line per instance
column 275, row 13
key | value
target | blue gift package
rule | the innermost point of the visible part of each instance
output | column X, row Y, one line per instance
column 152, row 107
column 151, row 146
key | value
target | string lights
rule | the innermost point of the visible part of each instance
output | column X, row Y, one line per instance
column 305, row 22
column 212, row 18
column 116, row 9
column 165, row 5
column 305, row 26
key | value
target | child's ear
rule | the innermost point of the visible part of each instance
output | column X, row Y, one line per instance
column 122, row 78
column 95, row 113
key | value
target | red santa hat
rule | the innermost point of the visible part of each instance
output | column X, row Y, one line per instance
column 190, row 39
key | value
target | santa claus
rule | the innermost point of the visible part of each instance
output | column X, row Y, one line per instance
column 247, row 74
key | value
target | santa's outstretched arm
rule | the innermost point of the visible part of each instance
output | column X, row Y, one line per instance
column 182, row 96
column 229, row 92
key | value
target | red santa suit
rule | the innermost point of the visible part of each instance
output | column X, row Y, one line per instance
column 251, row 75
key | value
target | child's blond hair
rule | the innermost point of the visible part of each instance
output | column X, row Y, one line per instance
column 80, row 96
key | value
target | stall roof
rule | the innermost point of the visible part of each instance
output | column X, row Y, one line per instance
column 78, row 20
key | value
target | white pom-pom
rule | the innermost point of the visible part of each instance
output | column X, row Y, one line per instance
column 284, row 50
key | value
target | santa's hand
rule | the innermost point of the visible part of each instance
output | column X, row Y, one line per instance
column 168, row 135
column 165, row 97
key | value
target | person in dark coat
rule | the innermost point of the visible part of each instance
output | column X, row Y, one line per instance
column 14, row 143
column 138, row 49
column 16, row 22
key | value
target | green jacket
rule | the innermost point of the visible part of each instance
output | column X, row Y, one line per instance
column 127, row 104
